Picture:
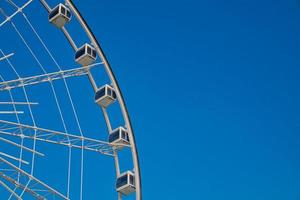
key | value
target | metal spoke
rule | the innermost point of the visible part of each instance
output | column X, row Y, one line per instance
column 8, row 18
column 10, row 190
column 6, row 56
column 33, row 185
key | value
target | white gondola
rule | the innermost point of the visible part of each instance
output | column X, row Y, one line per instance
column 105, row 96
column 60, row 15
column 85, row 55
column 119, row 136
column 126, row 183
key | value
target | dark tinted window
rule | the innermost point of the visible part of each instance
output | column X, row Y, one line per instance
column 114, row 136
column 126, row 136
column 94, row 53
column 100, row 93
column 89, row 51
column 63, row 10
column 54, row 12
column 80, row 52
column 131, row 180
column 114, row 94
column 68, row 14
column 122, row 181
column 109, row 91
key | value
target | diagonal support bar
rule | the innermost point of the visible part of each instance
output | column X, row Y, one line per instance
column 8, row 18
column 6, row 57
column 31, row 184
column 10, row 190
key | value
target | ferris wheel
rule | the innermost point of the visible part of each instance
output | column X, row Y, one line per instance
column 65, row 132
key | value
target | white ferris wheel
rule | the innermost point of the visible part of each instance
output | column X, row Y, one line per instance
column 65, row 132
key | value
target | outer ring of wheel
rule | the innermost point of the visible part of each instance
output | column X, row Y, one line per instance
column 120, row 98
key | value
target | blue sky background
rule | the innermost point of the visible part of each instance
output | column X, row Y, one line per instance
column 212, row 90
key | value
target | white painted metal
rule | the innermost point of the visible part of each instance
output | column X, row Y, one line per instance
column 11, row 112
column 18, row 103
column 107, row 98
column 8, row 18
column 20, row 82
column 61, row 17
column 119, row 137
column 21, row 147
column 6, row 56
column 128, row 186
column 119, row 96
column 13, row 158
column 67, row 139
column 35, row 187
column 87, row 55
column 10, row 190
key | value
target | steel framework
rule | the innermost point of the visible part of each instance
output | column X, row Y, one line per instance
column 13, row 178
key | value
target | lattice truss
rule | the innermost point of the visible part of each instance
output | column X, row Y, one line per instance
column 20, row 132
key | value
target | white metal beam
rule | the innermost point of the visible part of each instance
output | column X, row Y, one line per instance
column 6, row 85
column 6, row 57
column 11, row 112
column 8, row 18
column 56, row 137
column 10, row 190
column 18, row 103
column 30, row 184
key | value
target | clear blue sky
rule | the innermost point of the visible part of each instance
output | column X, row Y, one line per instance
column 213, row 90
column 212, row 87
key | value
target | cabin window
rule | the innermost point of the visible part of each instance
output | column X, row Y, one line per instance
column 79, row 53
column 54, row 12
column 63, row 10
column 109, row 91
column 123, row 135
column 122, row 181
column 114, row 95
column 94, row 53
column 131, row 179
column 114, row 136
column 68, row 14
column 89, row 50
column 100, row 93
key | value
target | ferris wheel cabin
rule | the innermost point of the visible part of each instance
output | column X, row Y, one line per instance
column 119, row 136
column 105, row 96
column 126, row 183
column 60, row 15
column 85, row 55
